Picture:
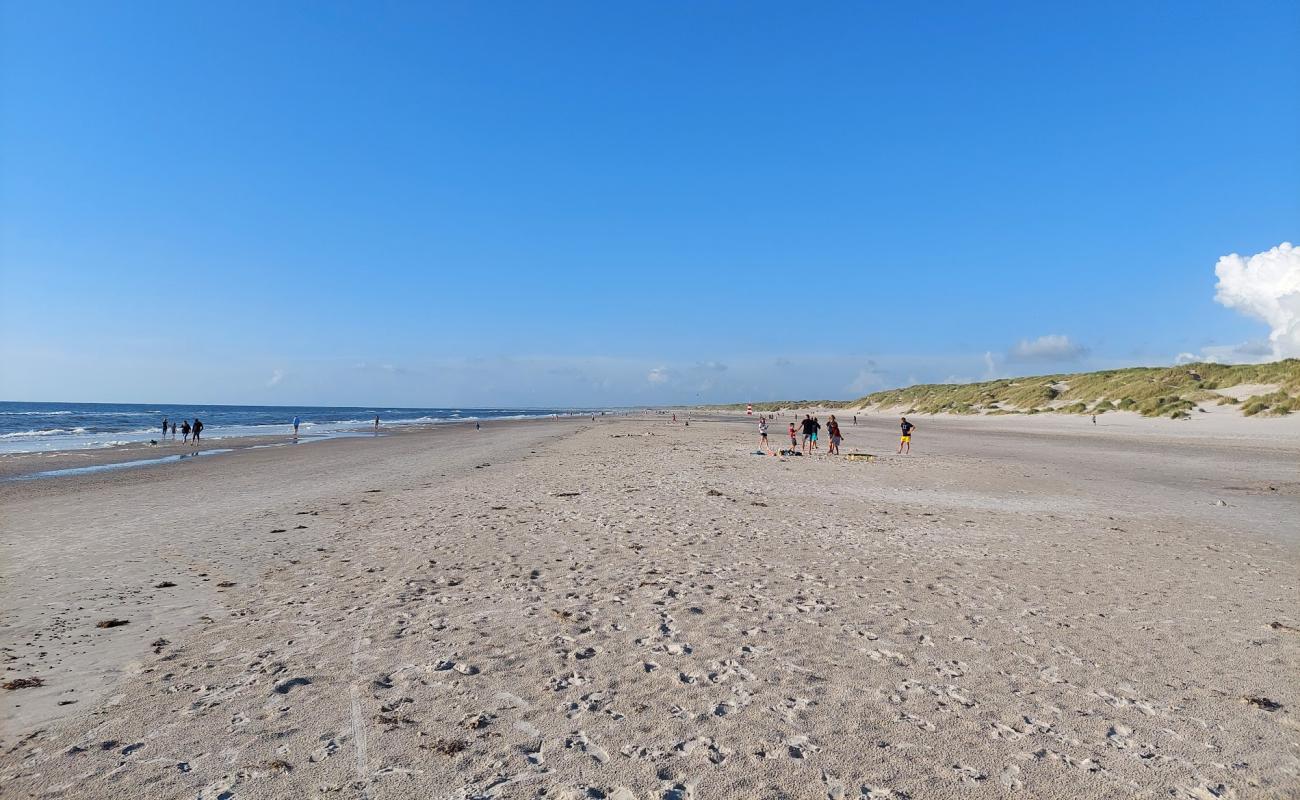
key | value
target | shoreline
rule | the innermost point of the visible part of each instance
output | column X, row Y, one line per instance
column 30, row 465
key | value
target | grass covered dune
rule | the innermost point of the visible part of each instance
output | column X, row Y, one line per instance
column 1269, row 389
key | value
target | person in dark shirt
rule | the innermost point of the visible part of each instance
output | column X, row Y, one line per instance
column 905, row 441
column 809, row 432
column 197, row 428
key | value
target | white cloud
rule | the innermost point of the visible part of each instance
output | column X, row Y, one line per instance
column 990, row 366
column 1052, row 347
column 1265, row 286
column 658, row 375
column 866, row 380
column 276, row 377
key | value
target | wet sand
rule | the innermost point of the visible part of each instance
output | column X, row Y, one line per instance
column 633, row 608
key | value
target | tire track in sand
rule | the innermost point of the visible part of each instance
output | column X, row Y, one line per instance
column 358, row 720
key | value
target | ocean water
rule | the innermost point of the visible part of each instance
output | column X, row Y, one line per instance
column 43, row 427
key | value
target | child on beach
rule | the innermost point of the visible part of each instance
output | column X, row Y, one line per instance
column 762, row 434
column 794, row 438
column 833, row 428
column 185, row 430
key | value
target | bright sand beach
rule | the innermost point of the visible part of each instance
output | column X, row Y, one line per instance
column 635, row 609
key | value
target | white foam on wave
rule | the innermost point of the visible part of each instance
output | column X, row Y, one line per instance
column 49, row 432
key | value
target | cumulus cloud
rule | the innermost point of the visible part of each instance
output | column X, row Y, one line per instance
column 276, row 377
column 1052, row 347
column 990, row 366
column 868, row 378
column 659, row 375
column 1265, row 286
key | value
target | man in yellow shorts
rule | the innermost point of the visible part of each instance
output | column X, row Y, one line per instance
column 905, row 441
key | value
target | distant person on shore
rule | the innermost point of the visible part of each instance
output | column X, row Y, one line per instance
column 185, row 430
column 905, row 441
column 376, row 423
column 762, row 434
column 1094, row 419
column 833, row 430
column 166, row 427
column 296, row 423
column 197, row 428
column 794, row 438
column 817, row 429
column 173, row 431
column 478, row 426
column 855, row 419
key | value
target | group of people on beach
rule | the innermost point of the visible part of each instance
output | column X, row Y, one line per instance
column 810, row 428
column 187, row 430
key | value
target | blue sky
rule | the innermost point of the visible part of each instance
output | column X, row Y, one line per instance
column 609, row 203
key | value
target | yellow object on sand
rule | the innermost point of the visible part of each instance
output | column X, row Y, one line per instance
column 860, row 457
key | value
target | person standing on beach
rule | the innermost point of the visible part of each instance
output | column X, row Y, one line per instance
column 762, row 434
column 905, row 441
column 296, row 423
column 833, row 430
column 197, row 429
column 808, row 435
column 817, row 427
column 166, row 426
column 376, row 423
column 173, row 431
column 794, row 438
column 855, row 419
column 185, row 430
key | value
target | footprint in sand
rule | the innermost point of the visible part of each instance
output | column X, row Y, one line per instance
column 680, row 791
column 457, row 666
column 1118, row 735
column 284, row 687
column 329, row 748
column 1010, row 778
column 800, row 747
column 581, row 741
column 223, row 789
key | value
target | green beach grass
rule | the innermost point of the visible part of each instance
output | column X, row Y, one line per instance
column 1150, row 391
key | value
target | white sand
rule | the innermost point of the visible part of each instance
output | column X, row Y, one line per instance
column 1243, row 390
column 1025, row 606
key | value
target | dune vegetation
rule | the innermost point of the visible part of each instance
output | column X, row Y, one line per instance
column 1259, row 389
